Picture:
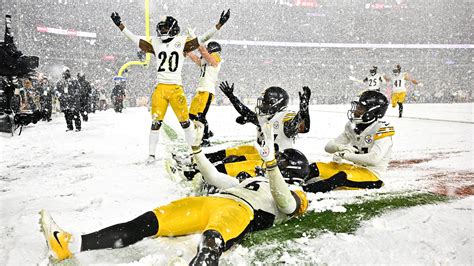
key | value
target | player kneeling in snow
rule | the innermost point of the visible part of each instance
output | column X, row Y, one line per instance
column 365, row 142
column 223, row 218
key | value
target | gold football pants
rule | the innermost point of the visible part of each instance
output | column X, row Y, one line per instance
column 192, row 215
column 173, row 95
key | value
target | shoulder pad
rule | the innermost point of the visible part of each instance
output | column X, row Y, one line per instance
column 288, row 116
column 217, row 57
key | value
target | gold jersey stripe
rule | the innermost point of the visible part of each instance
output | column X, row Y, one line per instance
column 383, row 135
column 289, row 116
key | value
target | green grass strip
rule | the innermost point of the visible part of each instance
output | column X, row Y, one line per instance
column 170, row 132
column 314, row 223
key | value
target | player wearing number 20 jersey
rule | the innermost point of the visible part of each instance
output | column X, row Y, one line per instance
column 169, row 48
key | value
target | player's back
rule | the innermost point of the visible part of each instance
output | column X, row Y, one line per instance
column 209, row 74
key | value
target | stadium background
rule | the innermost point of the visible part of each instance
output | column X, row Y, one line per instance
column 445, row 72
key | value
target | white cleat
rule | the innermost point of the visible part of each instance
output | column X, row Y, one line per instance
column 57, row 239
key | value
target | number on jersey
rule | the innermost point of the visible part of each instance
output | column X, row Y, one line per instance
column 173, row 61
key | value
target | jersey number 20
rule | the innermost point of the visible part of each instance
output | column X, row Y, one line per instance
column 173, row 61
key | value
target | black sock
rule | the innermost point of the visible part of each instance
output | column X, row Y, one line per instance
column 210, row 249
column 122, row 235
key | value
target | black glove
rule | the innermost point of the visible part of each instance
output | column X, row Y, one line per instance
column 116, row 18
column 224, row 17
column 241, row 120
column 226, row 89
column 304, row 98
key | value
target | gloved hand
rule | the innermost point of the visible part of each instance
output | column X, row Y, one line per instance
column 190, row 33
column 241, row 120
column 338, row 156
column 116, row 18
column 267, row 147
column 304, row 98
column 346, row 148
column 224, row 17
column 226, row 89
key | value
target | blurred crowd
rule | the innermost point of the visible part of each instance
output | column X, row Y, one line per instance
column 446, row 73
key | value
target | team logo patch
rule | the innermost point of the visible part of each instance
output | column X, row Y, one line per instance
column 276, row 125
column 265, row 151
column 368, row 139
column 178, row 44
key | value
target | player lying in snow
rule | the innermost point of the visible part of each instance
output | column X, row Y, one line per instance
column 223, row 218
column 366, row 142
column 272, row 107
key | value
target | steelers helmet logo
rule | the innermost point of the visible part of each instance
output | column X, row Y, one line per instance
column 368, row 139
column 276, row 125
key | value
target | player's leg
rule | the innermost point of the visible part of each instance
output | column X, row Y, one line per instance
column 394, row 99
column 179, row 104
column 68, row 117
column 202, row 117
column 334, row 175
column 228, row 223
column 198, row 110
column 401, row 100
column 63, row 244
column 159, row 105
column 77, row 120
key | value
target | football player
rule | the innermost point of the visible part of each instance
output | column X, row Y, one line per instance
column 169, row 49
column 366, row 144
column 374, row 80
column 223, row 218
column 272, row 107
column 399, row 89
column 210, row 63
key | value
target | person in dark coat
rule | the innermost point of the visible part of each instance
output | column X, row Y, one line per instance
column 118, row 95
column 69, row 93
column 46, row 98
column 86, row 91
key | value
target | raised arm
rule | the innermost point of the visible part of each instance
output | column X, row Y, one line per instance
column 286, row 201
column 409, row 78
column 194, row 58
column 300, row 123
column 142, row 44
column 209, row 58
column 207, row 169
column 246, row 115
column 193, row 44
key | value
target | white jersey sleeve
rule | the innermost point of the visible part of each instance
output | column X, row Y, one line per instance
column 169, row 59
column 374, row 146
column 278, row 122
column 333, row 145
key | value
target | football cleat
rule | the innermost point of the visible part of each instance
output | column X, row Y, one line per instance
column 56, row 238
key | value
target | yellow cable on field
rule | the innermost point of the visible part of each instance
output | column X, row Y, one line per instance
column 147, row 38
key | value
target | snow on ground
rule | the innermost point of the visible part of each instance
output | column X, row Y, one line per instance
column 91, row 179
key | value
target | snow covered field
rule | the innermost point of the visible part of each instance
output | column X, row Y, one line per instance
column 97, row 177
